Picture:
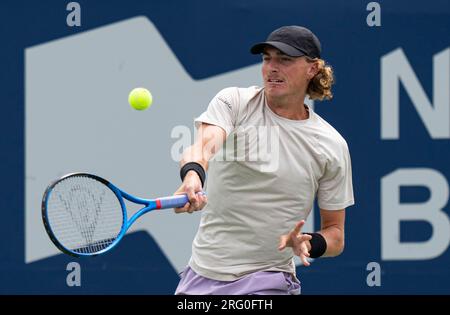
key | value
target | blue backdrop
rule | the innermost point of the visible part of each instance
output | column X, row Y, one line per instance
column 213, row 37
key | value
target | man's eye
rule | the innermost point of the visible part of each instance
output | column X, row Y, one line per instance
column 286, row 59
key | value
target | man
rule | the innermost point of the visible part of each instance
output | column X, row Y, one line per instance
column 251, row 225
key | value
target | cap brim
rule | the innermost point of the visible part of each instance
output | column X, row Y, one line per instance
column 284, row 48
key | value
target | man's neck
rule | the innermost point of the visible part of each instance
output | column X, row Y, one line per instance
column 291, row 108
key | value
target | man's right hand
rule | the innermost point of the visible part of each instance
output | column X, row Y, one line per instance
column 191, row 186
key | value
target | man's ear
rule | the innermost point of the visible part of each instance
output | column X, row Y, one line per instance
column 313, row 70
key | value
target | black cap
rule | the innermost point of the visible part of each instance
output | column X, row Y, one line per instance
column 294, row 41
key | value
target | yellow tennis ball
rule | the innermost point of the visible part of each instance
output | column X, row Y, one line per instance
column 140, row 98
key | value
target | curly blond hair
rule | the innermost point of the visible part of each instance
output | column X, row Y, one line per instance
column 319, row 87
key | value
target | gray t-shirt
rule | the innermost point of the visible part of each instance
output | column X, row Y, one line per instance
column 262, row 182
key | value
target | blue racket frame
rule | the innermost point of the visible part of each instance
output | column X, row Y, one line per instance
column 168, row 202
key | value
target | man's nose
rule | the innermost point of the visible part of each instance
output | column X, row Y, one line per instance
column 272, row 66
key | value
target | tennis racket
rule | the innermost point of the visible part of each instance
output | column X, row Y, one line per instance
column 85, row 215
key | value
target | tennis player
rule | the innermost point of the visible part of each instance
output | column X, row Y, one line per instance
column 268, row 156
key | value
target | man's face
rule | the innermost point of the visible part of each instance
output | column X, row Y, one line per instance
column 284, row 75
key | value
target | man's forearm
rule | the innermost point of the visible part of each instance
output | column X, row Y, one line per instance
column 194, row 153
column 209, row 140
column 334, row 237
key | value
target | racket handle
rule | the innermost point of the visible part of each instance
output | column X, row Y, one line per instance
column 176, row 201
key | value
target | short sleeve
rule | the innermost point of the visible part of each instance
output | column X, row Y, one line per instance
column 222, row 110
column 335, row 190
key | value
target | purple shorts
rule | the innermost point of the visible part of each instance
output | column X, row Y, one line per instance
column 258, row 283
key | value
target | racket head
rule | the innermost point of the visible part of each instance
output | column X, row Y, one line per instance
column 83, row 214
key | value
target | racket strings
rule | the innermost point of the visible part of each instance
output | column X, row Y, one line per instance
column 85, row 224
column 84, row 214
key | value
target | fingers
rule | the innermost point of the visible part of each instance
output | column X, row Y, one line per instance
column 297, row 241
column 203, row 201
column 305, row 261
column 303, row 238
column 193, row 200
column 299, row 226
column 196, row 202
column 294, row 237
column 191, row 186
column 183, row 209
column 305, row 255
column 302, row 251
column 299, row 244
column 283, row 242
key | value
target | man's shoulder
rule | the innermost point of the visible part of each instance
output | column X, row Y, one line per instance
column 241, row 92
column 238, row 97
column 330, row 133
column 251, row 89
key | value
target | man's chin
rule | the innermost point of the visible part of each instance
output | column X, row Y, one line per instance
column 274, row 92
